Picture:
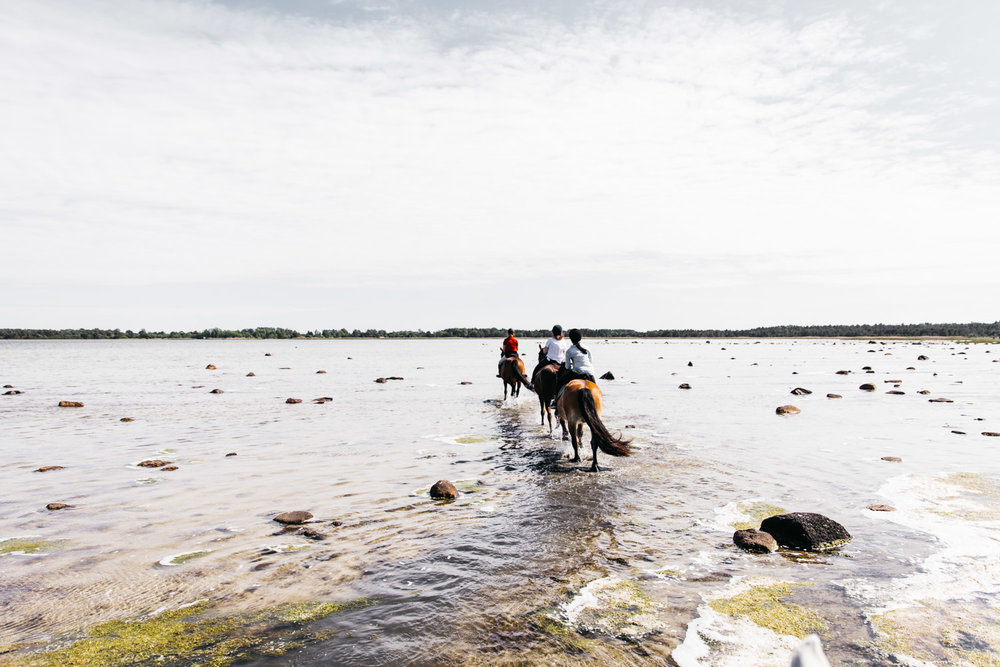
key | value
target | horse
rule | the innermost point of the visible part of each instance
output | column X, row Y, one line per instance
column 512, row 373
column 580, row 403
column 545, row 385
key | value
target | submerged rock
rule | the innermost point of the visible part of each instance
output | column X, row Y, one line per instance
column 294, row 517
column 48, row 468
column 126, row 419
column 940, row 400
column 292, row 401
column 323, row 399
column 153, row 463
column 892, row 459
column 13, row 392
column 882, row 508
column 787, row 410
column 52, row 507
column 800, row 391
column 867, row 387
column 251, row 374
column 312, row 534
column 755, row 541
column 70, row 404
column 684, row 385
column 834, row 396
column 216, row 391
column 608, row 376
column 444, row 489
column 806, row 531
column 210, row 367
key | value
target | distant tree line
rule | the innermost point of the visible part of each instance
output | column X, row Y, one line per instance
column 966, row 330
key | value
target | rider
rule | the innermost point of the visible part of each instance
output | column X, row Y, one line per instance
column 507, row 349
column 555, row 350
column 578, row 364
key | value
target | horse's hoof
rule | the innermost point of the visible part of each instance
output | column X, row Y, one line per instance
column 594, row 469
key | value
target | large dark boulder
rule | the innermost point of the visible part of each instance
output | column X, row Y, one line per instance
column 608, row 376
column 801, row 391
column 806, row 531
column 444, row 489
column 755, row 541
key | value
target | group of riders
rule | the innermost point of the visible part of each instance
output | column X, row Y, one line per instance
column 571, row 356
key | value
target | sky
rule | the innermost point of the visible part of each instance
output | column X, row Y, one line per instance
column 405, row 164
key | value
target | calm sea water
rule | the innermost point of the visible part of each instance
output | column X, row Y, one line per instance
column 538, row 560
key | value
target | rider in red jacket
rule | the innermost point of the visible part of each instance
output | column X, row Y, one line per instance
column 508, row 349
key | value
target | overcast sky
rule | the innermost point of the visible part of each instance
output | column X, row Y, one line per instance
column 422, row 164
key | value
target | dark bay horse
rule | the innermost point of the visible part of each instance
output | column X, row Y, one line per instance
column 545, row 385
column 512, row 373
column 580, row 404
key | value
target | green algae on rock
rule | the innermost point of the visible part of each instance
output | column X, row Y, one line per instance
column 762, row 605
column 194, row 634
column 939, row 632
column 180, row 559
column 23, row 545
column 757, row 511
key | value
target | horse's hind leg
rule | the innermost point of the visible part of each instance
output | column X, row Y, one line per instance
column 576, row 446
column 593, row 446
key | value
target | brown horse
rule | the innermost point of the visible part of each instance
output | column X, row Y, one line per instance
column 579, row 404
column 545, row 385
column 512, row 373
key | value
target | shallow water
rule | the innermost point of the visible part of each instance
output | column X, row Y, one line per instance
column 538, row 560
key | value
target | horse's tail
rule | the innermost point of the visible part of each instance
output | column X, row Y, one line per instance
column 609, row 444
column 515, row 368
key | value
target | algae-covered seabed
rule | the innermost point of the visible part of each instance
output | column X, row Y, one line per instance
column 538, row 562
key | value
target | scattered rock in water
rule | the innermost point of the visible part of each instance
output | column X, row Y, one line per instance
column 52, row 507
column 787, row 410
column 892, row 381
column 168, row 468
column 911, row 368
column 834, row 396
column 294, row 517
column 48, row 468
column 866, row 368
column 444, row 489
column 755, row 541
column 210, row 367
column 465, row 382
column 13, row 392
column 608, row 376
column 843, row 372
column 292, row 401
column 882, row 508
column 806, row 531
column 924, row 392
column 959, row 432
column 251, row 374
column 320, row 372
column 892, row 459
column 70, row 404
column 992, row 434
column 394, row 377
column 231, row 454
column 323, row 399
column 940, row 400
column 153, row 463
column 870, row 372
column 896, row 392
column 690, row 364
column 867, row 387
column 8, row 386
column 216, row 391
column 267, row 354
column 126, row 419
column 312, row 534
column 381, row 380
column 684, row 385
column 800, row 391
column 922, row 358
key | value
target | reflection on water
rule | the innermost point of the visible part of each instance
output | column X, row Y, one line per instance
column 538, row 560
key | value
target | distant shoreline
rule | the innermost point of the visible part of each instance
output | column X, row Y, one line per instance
column 972, row 331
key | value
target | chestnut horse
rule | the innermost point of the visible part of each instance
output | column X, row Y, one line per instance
column 512, row 373
column 545, row 385
column 579, row 404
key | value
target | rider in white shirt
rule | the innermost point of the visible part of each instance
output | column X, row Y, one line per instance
column 555, row 350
